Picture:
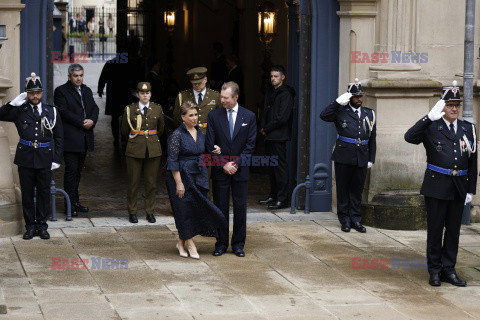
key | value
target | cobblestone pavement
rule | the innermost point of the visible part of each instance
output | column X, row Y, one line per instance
column 296, row 266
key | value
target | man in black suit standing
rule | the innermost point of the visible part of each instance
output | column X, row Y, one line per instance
column 80, row 114
column 234, row 129
column 449, row 183
column 354, row 152
column 39, row 151
column 277, row 127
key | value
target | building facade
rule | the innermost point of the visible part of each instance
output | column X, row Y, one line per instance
column 398, row 49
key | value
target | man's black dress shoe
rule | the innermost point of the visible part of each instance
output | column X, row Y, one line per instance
column 434, row 280
column 151, row 218
column 79, row 208
column 133, row 218
column 453, row 279
column 346, row 227
column 29, row 234
column 277, row 205
column 239, row 253
column 269, row 200
column 358, row 226
column 43, row 234
column 218, row 252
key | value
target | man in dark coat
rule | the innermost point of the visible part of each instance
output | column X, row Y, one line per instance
column 354, row 152
column 80, row 114
column 276, row 127
column 118, row 93
column 234, row 129
column 39, row 151
column 449, row 183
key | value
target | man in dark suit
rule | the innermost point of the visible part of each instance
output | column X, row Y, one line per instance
column 354, row 152
column 234, row 130
column 80, row 114
column 39, row 151
column 449, row 183
column 276, row 127
column 118, row 93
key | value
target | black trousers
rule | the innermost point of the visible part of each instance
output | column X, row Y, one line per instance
column 350, row 182
column 35, row 215
column 74, row 162
column 221, row 198
column 279, row 186
column 443, row 214
column 115, row 124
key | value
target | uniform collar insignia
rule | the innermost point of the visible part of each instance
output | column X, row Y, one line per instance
column 440, row 127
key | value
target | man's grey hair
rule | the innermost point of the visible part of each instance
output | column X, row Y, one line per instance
column 74, row 67
column 233, row 87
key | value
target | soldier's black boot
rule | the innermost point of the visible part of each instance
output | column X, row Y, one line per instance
column 29, row 234
column 133, row 218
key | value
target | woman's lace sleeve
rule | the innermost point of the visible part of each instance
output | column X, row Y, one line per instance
column 173, row 151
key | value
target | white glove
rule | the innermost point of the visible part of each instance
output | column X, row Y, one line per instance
column 369, row 165
column 19, row 100
column 344, row 99
column 437, row 111
column 55, row 166
column 468, row 198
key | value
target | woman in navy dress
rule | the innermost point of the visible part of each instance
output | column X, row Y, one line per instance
column 187, row 183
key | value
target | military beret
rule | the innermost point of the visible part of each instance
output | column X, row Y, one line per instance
column 33, row 83
column 144, row 87
column 196, row 75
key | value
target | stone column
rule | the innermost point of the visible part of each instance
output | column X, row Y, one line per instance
column 10, row 215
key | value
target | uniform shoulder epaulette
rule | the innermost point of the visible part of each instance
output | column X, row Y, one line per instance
column 213, row 90
column 468, row 122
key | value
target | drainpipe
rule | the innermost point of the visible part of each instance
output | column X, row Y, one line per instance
column 468, row 77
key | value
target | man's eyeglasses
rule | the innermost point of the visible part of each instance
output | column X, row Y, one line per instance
column 451, row 106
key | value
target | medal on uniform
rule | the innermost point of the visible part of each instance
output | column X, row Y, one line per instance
column 344, row 124
column 439, row 147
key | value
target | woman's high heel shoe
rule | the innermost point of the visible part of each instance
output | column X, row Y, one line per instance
column 194, row 256
column 182, row 254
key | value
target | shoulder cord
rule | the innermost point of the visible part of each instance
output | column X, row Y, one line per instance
column 472, row 148
column 46, row 124
column 370, row 125
column 139, row 124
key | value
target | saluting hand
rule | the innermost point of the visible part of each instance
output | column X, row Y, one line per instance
column 344, row 99
column 437, row 111
column 19, row 100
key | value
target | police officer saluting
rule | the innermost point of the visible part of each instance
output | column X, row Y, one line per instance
column 38, row 152
column 449, row 183
column 354, row 152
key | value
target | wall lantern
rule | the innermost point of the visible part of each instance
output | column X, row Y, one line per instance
column 267, row 24
column 169, row 19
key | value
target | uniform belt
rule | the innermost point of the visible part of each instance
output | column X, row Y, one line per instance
column 145, row 133
column 350, row 140
column 35, row 144
column 448, row 172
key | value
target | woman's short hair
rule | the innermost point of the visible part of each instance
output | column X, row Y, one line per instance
column 187, row 106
